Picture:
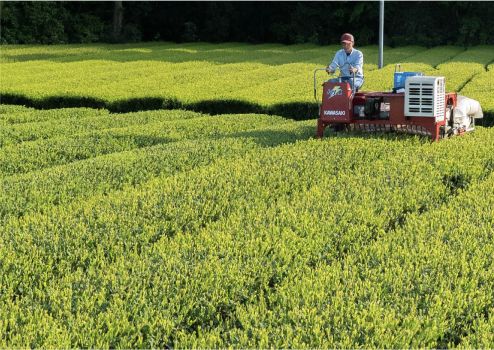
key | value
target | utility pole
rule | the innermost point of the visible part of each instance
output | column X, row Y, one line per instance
column 381, row 32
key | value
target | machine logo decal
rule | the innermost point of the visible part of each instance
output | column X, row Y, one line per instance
column 334, row 113
column 334, row 91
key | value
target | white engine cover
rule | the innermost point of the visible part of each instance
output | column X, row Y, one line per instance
column 425, row 97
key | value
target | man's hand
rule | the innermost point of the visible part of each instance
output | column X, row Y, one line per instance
column 353, row 69
column 330, row 70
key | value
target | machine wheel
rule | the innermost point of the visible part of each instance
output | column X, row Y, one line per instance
column 337, row 127
column 445, row 131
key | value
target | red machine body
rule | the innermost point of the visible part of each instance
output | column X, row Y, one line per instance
column 383, row 110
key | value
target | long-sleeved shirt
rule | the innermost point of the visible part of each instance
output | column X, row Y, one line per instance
column 356, row 59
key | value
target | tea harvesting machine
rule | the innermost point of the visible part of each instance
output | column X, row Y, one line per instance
column 417, row 104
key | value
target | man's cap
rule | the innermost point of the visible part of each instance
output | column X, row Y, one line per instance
column 346, row 38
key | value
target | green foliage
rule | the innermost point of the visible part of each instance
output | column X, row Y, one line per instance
column 215, row 78
column 61, row 144
column 34, row 23
column 429, row 24
column 190, row 30
column 48, row 22
column 86, row 28
column 129, row 34
column 481, row 87
column 178, row 229
column 242, row 231
column 440, row 54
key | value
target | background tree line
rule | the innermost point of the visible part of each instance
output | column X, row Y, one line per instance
column 425, row 23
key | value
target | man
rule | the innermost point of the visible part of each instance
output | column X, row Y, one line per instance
column 352, row 56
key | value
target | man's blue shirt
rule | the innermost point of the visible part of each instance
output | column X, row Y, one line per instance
column 356, row 59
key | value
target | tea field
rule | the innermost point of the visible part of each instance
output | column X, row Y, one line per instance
column 165, row 195
column 218, row 78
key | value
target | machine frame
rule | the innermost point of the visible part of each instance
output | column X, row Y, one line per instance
column 343, row 107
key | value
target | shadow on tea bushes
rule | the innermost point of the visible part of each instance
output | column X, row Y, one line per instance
column 291, row 110
column 299, row 110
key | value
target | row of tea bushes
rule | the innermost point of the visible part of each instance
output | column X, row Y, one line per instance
column 59, row 185
column 72, row 121
column 435, row 56
column 457, row 65
column 13, row 116
column 481, row 88
column 42, row 153
column 170, row 52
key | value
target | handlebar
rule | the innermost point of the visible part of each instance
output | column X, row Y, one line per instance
column 341, row 68
column 337, row 68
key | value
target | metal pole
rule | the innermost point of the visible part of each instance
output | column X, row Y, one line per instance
column 381, row 32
